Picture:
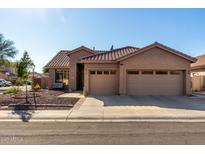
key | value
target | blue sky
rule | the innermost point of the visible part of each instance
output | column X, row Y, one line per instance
column 43, row 32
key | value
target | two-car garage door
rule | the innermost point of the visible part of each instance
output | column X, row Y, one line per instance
column 153, row 82
column 138, row 82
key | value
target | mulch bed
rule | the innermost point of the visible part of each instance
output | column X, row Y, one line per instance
column 48, row 100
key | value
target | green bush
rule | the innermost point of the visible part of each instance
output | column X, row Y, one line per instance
column 13, row 90
column 37, row 87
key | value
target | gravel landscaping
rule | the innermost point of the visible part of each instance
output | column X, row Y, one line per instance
column 47, row 100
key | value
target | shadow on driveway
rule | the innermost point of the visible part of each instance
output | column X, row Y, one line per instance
column 174, row 102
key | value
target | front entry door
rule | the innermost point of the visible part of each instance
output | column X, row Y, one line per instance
column 80, row 76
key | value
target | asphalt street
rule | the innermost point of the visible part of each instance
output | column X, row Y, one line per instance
column 102, row 133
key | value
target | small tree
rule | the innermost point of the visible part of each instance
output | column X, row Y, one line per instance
column 45, row 70
column 23, row 66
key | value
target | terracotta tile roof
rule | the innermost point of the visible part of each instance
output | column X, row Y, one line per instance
column 82, row 48
column 156, row 44
column 110, row 55
column 193, row 59
column 61, row 59
column 126, row 52
column 200, row 62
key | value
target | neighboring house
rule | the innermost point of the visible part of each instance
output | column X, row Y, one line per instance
column 8, row 73
column 39, row 78
column 198, row 74
column 152, row 70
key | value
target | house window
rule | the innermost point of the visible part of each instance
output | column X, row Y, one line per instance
column 147, row 72
column 133, row 72
column 99, row 72
column 161, row 72
column 174, row 72
column 92, row 72
column 61, row 76
column 112, row 72
column 106, row 72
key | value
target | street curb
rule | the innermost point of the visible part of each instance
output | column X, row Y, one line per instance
column 109, row 119
column 105, row 120
column 139, row 118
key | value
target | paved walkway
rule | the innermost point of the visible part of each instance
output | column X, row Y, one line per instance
column 72, row 95
column 200, row 93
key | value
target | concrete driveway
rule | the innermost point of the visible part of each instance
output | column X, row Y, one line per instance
column 172, row 102
column 149, row 107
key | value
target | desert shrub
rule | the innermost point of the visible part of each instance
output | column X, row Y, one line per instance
column 13, row 90
column 19, row 82
column 37, row 87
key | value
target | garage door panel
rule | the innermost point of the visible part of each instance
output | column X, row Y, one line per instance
column 155, row 84
column 103, row 84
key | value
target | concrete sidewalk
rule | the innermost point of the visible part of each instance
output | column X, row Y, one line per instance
column 37, row 115
column 107, row 115
column 91, row 108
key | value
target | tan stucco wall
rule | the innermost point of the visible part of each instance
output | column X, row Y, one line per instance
column 74, row 59
column 198, row 79
column 51, row 73
column 198, row 83
column 42, row 81
column 155, row 59
column 102, row 66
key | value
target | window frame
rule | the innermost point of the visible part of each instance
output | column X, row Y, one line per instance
column 92, row 72
column 147, row 72
column 61, row 75
column 99, row 72
column 161, row 72
column 176, row 72
column 107, row 72
column 133, row 72
column 113, row 72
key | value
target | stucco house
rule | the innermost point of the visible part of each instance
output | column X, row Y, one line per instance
column 198, row 74
column 8, row 73
column 152, row 70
